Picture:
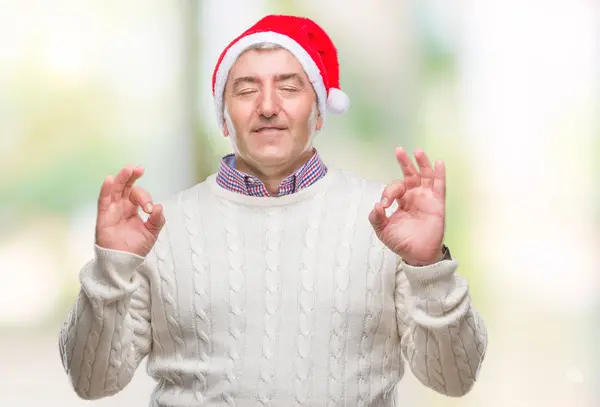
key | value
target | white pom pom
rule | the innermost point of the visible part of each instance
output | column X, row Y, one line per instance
column 337, row 101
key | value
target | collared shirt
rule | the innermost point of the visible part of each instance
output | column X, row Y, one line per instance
column 234, row 180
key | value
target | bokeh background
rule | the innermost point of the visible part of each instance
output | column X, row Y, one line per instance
column 506, row 92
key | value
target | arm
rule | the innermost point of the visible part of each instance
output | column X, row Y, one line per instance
column 443, row 337
column 107, row 333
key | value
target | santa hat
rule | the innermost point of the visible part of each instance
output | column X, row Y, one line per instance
column 306, row 41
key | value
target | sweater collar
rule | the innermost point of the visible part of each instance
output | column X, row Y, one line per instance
column 232, row 179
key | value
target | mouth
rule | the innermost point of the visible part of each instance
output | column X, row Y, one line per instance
column 269, row 129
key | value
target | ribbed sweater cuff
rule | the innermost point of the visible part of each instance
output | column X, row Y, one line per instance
column 110, row 270
column 433, row 282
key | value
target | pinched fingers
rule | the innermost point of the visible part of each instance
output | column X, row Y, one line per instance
column 392, row 192
column 156, row 220
column 142, row 198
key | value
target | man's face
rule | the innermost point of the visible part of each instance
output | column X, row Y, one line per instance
column 271, row 113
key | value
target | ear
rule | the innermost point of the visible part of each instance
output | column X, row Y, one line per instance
column 319, row 125
column 225, row 129
column 224, row 124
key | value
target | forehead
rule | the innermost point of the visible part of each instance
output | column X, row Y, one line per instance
column 266, row 63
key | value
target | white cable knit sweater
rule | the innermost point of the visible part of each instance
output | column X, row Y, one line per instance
column 288, row 301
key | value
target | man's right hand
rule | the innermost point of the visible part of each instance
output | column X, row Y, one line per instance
column 119, row 225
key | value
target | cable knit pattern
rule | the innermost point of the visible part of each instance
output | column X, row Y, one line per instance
column 168, row 287
column 306, row 304
column 318, row 316
column 272, row 294
column 372, row 319
column 341, row 304
column 386, row 363
column 93, row 340
column 464, row 370
column 438, row 306
column 115, row 361
column 236, row 278
column 479, row 331
column 201, row 287
column 67, row 332
column 434, row 365
column 468, row 365
column 141, row 331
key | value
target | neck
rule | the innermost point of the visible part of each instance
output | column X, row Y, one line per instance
column 272, row 176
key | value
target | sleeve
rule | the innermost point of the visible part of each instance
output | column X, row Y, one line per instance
column 443, row 337
column 108, row 332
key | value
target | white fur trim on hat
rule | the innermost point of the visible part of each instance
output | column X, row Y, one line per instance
column 233, row 53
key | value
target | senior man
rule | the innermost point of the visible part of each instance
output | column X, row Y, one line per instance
column 277, row 280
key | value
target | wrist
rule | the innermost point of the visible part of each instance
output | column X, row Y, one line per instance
column 442, row 254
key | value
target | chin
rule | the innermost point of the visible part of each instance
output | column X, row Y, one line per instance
column 270, row 154
column 273, row 159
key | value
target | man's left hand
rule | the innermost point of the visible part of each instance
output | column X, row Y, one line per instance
column 415, row 231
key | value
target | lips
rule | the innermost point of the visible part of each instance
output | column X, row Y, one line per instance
column 269, row 128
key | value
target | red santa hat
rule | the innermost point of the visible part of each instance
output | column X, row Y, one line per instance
column 307, row 41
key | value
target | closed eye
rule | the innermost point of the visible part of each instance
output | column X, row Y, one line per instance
column 244, row 92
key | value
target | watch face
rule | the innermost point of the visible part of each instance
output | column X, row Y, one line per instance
column 447, row 255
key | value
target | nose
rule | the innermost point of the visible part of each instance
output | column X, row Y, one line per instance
column 269, row 103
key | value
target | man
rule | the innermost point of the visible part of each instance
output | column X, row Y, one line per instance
column 277, row 281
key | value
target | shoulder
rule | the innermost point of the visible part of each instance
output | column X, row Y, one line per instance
column 350, row 182
column 184, row 201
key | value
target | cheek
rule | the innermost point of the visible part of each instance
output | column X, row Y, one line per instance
column 304, row 125
column 299, row 114
column 241, row 114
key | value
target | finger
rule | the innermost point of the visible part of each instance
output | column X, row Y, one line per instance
column 156, row 220
column 378, row 218
column 392, row 192
column 142, row 198
column 425, row 168
column 439, row 178
column 120, row 182
column 412, row 178
column 104, row 199
column 137, row 173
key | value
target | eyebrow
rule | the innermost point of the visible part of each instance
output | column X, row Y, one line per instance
column 242, row 79
column 288, row 76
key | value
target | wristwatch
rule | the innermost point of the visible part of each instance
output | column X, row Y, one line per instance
column 446, row 251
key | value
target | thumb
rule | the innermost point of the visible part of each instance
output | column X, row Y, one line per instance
column 378, row 218
column 156, row 220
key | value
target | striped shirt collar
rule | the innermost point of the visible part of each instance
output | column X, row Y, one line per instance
column 234, row 180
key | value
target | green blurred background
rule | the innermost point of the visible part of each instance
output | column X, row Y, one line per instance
column 506, row 92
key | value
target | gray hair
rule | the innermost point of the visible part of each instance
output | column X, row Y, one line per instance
column 264, row 46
